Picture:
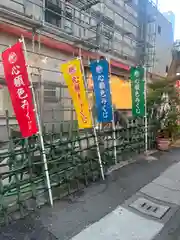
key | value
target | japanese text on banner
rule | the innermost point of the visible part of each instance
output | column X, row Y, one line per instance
column 100, row 76
column 137, row 88
column 74, row 80
column 19, row 88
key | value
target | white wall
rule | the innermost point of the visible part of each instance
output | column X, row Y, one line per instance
column 164, row 44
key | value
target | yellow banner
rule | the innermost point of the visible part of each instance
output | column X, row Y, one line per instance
column 74, row 80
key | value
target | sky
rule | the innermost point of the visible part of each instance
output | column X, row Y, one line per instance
column 174, row 6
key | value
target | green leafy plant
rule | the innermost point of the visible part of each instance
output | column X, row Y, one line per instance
column 162, row 104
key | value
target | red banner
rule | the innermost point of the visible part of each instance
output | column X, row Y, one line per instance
column 16, row 76
column 178, row 84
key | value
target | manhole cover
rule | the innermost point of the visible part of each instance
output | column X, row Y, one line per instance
column 150, row 208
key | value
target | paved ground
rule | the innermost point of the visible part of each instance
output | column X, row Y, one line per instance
column 103, row 209
column 30, row 228
column 171, row 231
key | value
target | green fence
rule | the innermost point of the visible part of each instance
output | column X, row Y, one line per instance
column 72, row 162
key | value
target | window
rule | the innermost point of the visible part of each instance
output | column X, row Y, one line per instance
column 51, row 94
column 68, row 26
column 117, row 36
column 53, row 12
column 107, row 33
column 159, row 29
column 68, row 12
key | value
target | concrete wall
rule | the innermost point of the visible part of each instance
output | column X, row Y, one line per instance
column 156, row 34
column 171, row 18
column 159, row 34
column 164, row 44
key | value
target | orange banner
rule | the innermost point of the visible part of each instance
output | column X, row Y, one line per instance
column 74, row 79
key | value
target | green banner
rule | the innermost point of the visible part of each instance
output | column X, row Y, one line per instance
column 137, row 91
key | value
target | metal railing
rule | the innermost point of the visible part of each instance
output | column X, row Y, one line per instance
column 72, row 163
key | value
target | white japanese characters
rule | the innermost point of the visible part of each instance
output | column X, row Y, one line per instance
column 102, row 88
column 18, row 81
column 76, row 85
column 12, row 58
column 15, row 70
column 19, row 85
column 16, row 77
column 137, row 95
column 138, row 92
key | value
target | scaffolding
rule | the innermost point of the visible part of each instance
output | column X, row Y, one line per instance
column 146, row 49
column 92, row 25
column 104, row 26
column 151, row 34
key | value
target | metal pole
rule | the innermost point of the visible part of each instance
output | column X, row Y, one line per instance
column 94, row 129
column 113, row 123
column 43, row 11
column 40, row 129
column 145, row 103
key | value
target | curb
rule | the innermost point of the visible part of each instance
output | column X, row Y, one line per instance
column 145, row 156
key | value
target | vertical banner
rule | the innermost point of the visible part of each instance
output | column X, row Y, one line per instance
column 16, row 76
column 74, row 79
column 100, row 76
column 137, row 91
column 178, row 87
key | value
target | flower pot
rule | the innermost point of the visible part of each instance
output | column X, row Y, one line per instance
column 163, row 144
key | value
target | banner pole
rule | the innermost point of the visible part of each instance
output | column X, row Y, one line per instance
column 39, row 127
column 113, row 122
column 145, row 107
column 94, row 129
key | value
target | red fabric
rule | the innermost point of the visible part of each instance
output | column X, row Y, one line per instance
column 16, row 76
column 178, row 83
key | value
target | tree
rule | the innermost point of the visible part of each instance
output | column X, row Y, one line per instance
column 163, row 106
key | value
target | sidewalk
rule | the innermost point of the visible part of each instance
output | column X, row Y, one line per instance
column 104, row 208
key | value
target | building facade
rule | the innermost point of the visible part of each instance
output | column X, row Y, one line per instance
column 55, row 31
column 156, row 33
column 170, row 16
column 164, row 45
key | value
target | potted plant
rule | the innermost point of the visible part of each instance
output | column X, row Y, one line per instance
column 167, row 134
column 162, row 103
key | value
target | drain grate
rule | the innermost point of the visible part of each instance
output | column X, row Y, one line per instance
column 150, row 208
